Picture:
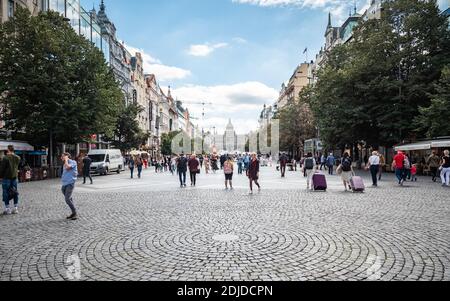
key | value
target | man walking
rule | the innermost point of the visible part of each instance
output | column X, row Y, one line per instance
column 8, row 172
column 68, row 179
column 87, row 162
column 434, row 163
column 374, row 166
column 283, row 164
column 194, row 169
column 182, row 165
column 399, row 166
column 331, row 161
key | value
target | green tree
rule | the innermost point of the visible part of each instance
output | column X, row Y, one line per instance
column 372, row 87
column 297, row 123
column 434, row 119
column 55, row 84
column 127, row 134
column 166, row 142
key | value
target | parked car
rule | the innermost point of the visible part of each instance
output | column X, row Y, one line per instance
column 105, row 161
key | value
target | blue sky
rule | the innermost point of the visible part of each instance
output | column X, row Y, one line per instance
column 233, row 53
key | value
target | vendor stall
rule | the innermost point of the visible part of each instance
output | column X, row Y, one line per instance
column 33, row 164
column 421, row 150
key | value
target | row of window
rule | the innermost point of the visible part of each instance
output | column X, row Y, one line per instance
column 80, row 20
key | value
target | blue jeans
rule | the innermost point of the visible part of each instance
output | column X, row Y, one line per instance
column 6, row 186
column 400, row 174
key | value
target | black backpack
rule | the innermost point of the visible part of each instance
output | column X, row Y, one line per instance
column 347, row 165
column 309, row 163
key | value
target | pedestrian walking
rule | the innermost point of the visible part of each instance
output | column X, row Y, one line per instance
column 399, row 166
column 346, row 170
column 182, row 169
column 331, row 161
column 139, row 166
column 87, row 162
column 414, row 173
column 445, row 169
column 8, row 172
column 407, row 167
column 194, row 169
column 253, row 172
column 323, row 162
column 309, row 168
column 132, row 165
column 240, row 165
column 434, row 162
column 68, row 179
column 283, row 164
column 373, row 164
column 228, row 168
column 207, row 164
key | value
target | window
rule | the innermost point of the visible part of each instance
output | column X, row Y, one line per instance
column 10, row 8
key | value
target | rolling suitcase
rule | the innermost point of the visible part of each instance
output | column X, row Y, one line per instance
column 319, row 182
column 357, row 184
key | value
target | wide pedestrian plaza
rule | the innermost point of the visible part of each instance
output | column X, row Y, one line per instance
column 150, row 229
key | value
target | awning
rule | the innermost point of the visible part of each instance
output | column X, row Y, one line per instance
column 425, row 145
column 18, row 145
column 440, row 143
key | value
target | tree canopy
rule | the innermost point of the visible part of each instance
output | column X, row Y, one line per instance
column 54, row 80
column 372, row 88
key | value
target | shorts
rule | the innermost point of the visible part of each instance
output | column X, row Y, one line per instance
column 229, row 177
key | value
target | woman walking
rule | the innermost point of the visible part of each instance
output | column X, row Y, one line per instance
column 139, row 165
column 207, row 165
column 228, row 168
column 346, row 170
column 193, row 165
column 253, row 172
column 445, row 169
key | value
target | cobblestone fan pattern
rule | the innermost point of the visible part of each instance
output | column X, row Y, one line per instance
column 387, row 234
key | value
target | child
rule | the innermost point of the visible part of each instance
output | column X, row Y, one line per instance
column 414, row 173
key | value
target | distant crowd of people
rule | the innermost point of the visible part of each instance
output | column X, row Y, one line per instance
column 250, row 164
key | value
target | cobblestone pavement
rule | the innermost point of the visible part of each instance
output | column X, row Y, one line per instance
column 150, row 229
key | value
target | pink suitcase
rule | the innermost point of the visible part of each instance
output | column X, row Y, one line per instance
column 319, row 182
column 357, row 184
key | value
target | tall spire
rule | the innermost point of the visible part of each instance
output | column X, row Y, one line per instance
column 102, row 6
column 329, row 19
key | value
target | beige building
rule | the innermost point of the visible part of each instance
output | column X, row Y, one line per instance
column 140, row 92
column 298, row 81
column 7, row 7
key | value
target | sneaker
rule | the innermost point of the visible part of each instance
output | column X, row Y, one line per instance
column 7, row 211
column 15, row 210
column 73, row 217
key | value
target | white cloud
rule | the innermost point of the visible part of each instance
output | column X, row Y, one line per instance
column 202, row 50
column 152, row 65
column 240, row 40
column 338, row 8
column 242, row 102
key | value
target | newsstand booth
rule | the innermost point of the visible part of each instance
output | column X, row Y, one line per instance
column 33, row 164
column 420, row 151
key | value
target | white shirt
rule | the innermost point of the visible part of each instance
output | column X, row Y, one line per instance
column 374, row 160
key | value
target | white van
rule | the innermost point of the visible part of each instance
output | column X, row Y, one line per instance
column 106, row 160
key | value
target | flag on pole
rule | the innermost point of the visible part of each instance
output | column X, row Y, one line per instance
column 306, row 50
